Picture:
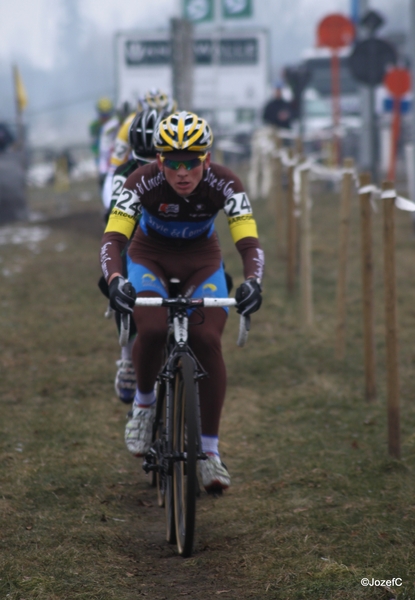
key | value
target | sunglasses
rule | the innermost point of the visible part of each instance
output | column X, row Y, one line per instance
column 190, row 164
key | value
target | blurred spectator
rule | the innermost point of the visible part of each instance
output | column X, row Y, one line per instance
column 278, row 112
column 105, row 109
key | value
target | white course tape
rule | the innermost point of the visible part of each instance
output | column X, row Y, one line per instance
column 369, row 189
column 404, row 204
column 328, row 173
column 305, row 166
column 286, row 160
column 400, row 202
column 374, row 194
column 318, row 171
column 388, row 194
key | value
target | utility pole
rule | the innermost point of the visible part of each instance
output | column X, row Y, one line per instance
column 182, row 62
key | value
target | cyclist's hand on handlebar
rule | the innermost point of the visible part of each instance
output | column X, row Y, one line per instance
column 248, row 297
column 122, row 295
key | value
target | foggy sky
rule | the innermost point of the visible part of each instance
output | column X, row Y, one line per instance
column 64, row 48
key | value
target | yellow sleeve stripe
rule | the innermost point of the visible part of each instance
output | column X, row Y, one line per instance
column 122, row 139
column 116, row 161
column 244, row 226
column 120, row 222
column 125, row 128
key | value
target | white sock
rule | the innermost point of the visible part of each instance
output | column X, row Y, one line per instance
column 210, row 444
column 144, row 400
column 126, row 351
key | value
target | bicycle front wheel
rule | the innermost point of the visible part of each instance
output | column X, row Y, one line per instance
column 162, row 443
column 185, row 448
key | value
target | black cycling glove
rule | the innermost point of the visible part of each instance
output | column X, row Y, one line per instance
column 122, row 295
column 248, row 297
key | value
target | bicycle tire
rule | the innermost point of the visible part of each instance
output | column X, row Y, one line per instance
column 162, row 443
column 158, row 432
column 185, row 443
column 167, row 471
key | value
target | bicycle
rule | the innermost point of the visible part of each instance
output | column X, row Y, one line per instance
column 176, row 445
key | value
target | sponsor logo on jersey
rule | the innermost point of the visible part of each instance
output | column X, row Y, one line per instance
column 169, row 209
column 213, row 182
column 248, row 217
column 210, row 286
column 200, row 206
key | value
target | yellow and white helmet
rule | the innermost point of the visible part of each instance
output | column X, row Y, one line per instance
column 158, row 100
column 183, row 131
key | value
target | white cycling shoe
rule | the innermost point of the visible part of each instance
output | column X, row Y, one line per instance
column 139, row 430
column 125, row 381
column 214, row 474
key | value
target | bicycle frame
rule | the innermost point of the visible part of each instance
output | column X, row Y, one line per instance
column 177, row 346
column 177, row 434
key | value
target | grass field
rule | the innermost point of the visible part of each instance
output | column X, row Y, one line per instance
column 316, row 503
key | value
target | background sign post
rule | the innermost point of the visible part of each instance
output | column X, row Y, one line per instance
column 398, row 82
column 335, row 31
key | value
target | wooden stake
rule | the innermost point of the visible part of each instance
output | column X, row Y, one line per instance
column 275, row 198
column 344, row 230
column 291, row 229
column 299, row 146
column 305, row 245
column 392, row 371
column 367, row 290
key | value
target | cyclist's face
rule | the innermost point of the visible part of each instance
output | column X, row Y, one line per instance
column 183, row 182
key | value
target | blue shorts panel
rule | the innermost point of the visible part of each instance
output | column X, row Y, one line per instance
column 213, row 287
column 143, row 279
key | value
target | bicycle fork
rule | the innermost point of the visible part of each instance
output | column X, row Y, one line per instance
column 161, row 458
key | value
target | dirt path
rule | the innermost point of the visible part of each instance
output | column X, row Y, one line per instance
column 315, row 503
column 90, row 511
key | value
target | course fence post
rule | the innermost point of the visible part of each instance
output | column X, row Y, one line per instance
column 299, row 146
column 291, row 227
column 392, row 371
column 344, row 235
column 305, row 246
column 276, row 196
column 367, row 289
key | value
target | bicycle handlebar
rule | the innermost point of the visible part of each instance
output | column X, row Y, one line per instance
column 186, row 302
column 244, row 323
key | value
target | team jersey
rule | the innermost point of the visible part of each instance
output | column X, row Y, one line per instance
column 122, row 147
column 121, row 175
column 107, row 138
column 165, row 215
